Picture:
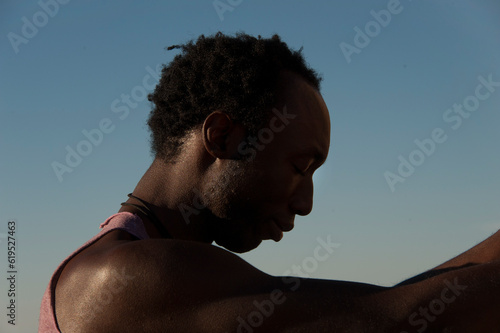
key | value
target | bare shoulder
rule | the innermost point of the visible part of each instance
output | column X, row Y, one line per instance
column 175, row 265
column 181, row 275
column 161, row 279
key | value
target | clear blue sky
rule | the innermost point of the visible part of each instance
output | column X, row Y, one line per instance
column 395, row 88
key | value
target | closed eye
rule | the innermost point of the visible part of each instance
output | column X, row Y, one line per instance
column 303, row 173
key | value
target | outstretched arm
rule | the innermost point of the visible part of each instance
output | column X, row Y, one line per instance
column 485, row 252
column 191, row 287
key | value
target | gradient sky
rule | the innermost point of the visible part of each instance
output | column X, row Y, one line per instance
column 66, row 77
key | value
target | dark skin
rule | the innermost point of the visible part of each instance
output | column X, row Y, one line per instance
column 185, row 284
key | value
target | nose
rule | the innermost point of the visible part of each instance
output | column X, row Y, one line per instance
column 301, row 202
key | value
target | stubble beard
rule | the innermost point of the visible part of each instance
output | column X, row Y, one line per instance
column 223, row 193
column 226, row 199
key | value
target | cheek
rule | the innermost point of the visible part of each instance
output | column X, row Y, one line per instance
column 276, row 184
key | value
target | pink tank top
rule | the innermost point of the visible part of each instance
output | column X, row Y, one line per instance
column 126, row 221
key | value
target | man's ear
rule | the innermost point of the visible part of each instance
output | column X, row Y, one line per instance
column 221, row 135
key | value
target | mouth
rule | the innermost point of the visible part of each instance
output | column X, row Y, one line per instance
column 277, row 230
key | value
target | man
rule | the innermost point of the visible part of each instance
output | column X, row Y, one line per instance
column 238, row 129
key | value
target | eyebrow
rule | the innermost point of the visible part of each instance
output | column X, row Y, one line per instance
column 318, row 157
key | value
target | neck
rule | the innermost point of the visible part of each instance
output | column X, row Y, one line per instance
column 170, row 191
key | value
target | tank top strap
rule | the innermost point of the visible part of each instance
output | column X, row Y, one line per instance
column 126, row 221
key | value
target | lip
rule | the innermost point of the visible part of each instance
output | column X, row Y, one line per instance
column 285, row 227
column 277, row 229
column 276, row 233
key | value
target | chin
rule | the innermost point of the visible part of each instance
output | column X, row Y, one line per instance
column 236, row 235
column 238, row 246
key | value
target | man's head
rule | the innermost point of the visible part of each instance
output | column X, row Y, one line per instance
column 243, row 120
column 235, row 75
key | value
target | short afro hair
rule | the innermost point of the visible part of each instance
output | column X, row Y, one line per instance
column 236, row 75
